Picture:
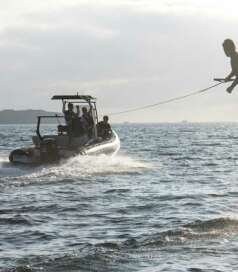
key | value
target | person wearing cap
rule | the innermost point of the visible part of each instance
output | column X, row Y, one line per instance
column 230, row 51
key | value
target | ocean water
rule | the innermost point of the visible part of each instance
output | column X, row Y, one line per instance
column 167, row 202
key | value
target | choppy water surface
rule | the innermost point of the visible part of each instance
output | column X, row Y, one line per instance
column 167, row 202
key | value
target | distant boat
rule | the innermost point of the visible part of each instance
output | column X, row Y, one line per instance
column 63, row 145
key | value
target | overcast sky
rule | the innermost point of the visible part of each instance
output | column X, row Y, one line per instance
column 127, row 53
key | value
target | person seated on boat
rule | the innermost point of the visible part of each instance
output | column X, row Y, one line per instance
column 87, row 121
column 104, row 128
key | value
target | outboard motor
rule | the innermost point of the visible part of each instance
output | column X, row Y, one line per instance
column 48, row 150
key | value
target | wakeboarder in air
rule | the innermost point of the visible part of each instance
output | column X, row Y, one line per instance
column 230, row 51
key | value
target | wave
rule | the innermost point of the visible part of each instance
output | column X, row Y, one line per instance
column 206, row 144
column 218, row 228
column 217, row 224
column 131, row 254
column 16, row 220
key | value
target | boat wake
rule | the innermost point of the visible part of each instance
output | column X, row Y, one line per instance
column 74, row 169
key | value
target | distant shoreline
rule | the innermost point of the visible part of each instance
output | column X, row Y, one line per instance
column 22, row 116
column 25, row 117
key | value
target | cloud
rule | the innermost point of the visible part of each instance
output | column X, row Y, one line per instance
column 24, row 13
column 127, row 53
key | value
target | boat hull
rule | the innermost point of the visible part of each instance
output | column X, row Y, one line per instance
column 53, row 154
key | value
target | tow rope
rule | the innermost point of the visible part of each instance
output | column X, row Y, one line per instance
column 169, row 100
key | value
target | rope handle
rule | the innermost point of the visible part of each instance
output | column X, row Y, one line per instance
column 223, row 80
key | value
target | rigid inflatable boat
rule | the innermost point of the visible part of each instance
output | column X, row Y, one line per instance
column 52, row 148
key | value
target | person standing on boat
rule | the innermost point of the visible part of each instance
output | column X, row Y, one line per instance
column 87, row 121
column 69, row 114
column 78, row 129
column 77, row 110
column 230, row 51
